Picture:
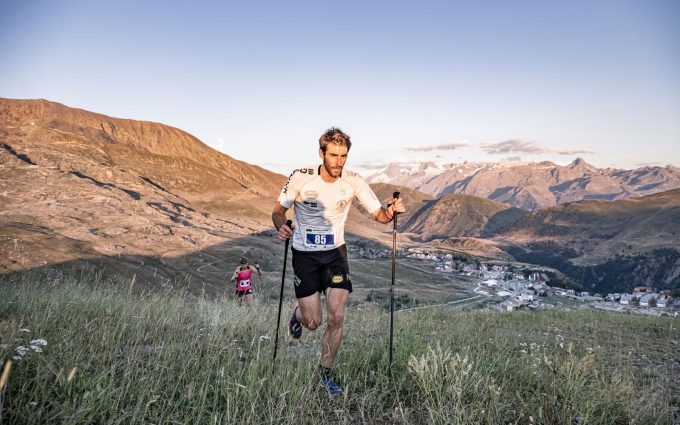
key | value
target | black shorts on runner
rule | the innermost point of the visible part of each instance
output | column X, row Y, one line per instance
column 239, row 294
column 314, row 271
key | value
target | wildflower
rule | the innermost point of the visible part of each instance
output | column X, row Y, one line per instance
column 24, row 330
column 40, row 342
column 36, row 348
column 17, row 358
column 21, row 350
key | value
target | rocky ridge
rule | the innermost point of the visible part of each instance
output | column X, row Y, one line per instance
column 532, row 186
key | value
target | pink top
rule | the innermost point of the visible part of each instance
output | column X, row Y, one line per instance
column 243, row 280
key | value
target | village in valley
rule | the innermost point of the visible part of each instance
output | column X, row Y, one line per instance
column 515, row 286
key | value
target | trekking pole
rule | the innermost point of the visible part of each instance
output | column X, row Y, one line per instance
column 259, row 276
column 283, row 279
column 259, row 273
column 394, row 263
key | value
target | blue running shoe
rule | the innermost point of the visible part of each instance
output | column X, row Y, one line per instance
column 294, row 326
column 330, row 385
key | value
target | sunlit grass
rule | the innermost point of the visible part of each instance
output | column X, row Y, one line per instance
column 110, row 355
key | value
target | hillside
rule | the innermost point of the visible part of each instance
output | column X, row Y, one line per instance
column 607, row 246
column 168, row 357
column 133, row 154
column 461, row 215
column 76, row 185
column 532, row 186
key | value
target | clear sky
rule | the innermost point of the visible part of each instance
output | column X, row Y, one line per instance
column 444, row 81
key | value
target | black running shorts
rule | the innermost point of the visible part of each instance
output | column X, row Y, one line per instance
column 239, row 294
column 314, row 271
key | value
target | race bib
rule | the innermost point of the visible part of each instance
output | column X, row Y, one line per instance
column 244, row 283
column 318, row 237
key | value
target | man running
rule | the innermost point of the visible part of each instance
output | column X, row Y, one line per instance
column 322, row 195
column 244, row 285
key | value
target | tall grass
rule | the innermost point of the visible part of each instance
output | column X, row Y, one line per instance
column 120, row 356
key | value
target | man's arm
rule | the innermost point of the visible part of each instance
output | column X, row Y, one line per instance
column 253, row 268
column 279, row 219
column 235, row 275
column 385, row 215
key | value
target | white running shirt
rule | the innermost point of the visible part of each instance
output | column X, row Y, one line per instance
column 321, row 208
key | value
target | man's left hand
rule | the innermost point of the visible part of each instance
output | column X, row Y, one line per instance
column 396, row 205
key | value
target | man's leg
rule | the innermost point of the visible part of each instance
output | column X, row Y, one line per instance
column 249, row 299
column 309, row 311
column 336, row 300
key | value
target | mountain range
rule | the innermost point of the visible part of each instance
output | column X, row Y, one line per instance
column 606, row 246
column 531, row 186
column 153, row 200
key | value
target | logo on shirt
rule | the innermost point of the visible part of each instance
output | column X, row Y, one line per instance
column 310, row 194
column 336, row 279
column 299, row 170
column 311, row 204
column 342, row 204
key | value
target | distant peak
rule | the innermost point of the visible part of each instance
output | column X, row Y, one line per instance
column 580, row 164
column 392, row 169
column 425, row 165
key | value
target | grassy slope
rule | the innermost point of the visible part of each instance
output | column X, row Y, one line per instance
column 172, row 358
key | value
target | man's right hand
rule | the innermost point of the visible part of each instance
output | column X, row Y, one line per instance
column 285, row 232
column 280, row 222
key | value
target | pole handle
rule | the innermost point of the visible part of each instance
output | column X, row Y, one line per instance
column 394, row 220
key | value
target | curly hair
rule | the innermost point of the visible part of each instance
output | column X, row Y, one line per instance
column 335, row 136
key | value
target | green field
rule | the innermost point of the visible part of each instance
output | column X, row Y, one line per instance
column 117, row 354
